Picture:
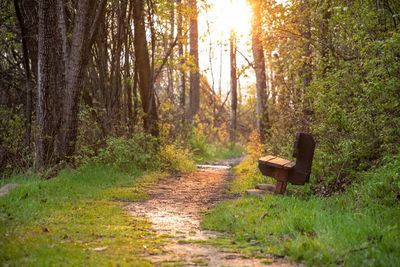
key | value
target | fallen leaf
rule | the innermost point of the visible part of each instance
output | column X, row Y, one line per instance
column 99, row 249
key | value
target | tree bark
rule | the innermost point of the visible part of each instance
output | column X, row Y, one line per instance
column 50, row 83
column 75, row 67
column 261, row 77
column 306, row 69
column 233, row 124
column 182, row 74
column 150, row 121
column 28, row 34
column 194, row 94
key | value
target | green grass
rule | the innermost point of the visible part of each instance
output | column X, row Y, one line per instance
column 209, row 153
column 247, row 176
column 357, row 228
column 65, row 220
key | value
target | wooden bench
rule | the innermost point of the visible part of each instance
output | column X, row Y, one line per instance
column 284, row 171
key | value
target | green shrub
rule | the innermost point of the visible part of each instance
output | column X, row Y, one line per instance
column 174, row 158
column 126, row 154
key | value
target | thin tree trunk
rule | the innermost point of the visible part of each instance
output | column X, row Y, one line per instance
column 194, row 94
column 261, row 77
column 306, row 70
column 128, row 87
column 182, row 74
column 28, row 76
column 150, row 122
column 233, row 124
column 171, row 41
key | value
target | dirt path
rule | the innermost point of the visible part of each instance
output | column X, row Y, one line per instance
column 175, row 207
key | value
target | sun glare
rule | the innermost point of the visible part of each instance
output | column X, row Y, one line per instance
column 231, row 14
column 215, row 25
column 238, row 16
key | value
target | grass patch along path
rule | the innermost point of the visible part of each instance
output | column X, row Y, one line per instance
column 359, row 227
column 76, row 219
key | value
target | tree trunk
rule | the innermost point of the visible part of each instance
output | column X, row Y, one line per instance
column 306, row 69
column 27, row 33
column 194, row 94
column 75, row 67
column 233, row 124
column 61, row 66
column 81, row 41
column 182, row 74
column 150, row 122
column 261, row 77
column 50, row 83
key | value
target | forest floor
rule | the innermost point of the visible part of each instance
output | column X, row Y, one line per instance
column 175, row 206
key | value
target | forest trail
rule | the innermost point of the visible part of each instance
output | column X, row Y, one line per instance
column 174, row 209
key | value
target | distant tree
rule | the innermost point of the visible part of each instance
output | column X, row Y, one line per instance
column 194, row 94
column 260, row 71
column 26, row 13
column 234, row 85
column 144, row 71
column 181, row 54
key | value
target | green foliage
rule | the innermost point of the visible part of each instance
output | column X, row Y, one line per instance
column 90, row 137
column 143, row 152
column 174, row 158
column 205, row 150
column 247, row 176
column 357, row 228
column 11, row 130
column 63, row 220
column 361, row 124
column 336, row 75
column 126, row 154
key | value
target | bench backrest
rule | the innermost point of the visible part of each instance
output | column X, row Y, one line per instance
column 303, row 151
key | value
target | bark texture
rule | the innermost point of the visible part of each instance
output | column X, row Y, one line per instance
column 150, row 121
column 234, row 85
column 50, row 84
column 194, row 94
column 259, row 66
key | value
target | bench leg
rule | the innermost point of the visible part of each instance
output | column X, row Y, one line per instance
column 280, row 187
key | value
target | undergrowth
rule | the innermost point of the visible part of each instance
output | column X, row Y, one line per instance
column 357, row 228
column 77, row 218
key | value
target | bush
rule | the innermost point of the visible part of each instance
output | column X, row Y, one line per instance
column 174, row 158
column 128, row 154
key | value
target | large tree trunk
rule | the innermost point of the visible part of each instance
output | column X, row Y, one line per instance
column 194, row 95
column 77, row 59
column 75, row 67
column 50, row 83
column 144, row 71
column 61, row 65
column 233, row 124
column 261, row 77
